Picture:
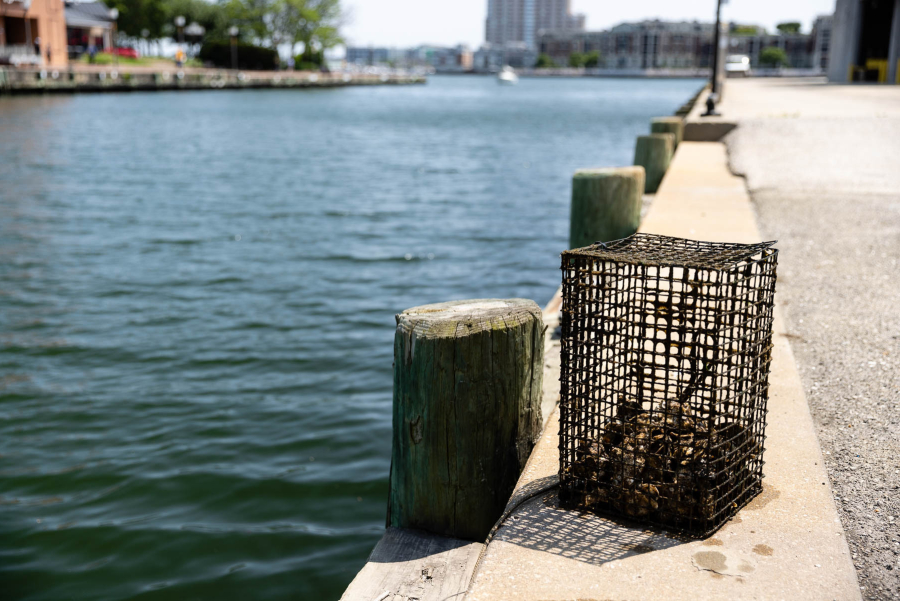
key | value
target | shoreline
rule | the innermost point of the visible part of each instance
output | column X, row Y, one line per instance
column 94, row 79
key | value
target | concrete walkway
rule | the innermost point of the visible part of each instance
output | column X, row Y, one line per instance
column 823, row 167
column 787, row 544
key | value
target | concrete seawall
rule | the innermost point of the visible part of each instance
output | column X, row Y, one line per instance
column 134, row 79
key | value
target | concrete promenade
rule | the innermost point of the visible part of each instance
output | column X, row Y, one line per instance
column 822, row 163
column 787, row 544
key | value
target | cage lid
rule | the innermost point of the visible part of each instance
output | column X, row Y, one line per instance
column 656, row 250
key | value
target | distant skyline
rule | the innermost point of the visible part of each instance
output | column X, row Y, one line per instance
column 402, row 23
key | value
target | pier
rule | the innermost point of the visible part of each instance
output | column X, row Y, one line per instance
column 786, row 137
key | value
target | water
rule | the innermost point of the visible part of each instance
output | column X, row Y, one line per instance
column 197, row 299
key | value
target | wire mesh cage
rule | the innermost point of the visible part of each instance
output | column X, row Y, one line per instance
column 666, row 347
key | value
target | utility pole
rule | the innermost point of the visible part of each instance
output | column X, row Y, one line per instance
column 233, row 32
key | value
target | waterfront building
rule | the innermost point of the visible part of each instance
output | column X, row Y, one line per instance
column 33, row 32
column 821, row 34
column 440, row 58
column 515, row 22
column 751, row 41
column 651, row 44
column 865, row 41
column 88, row 24
column 491, row 58
column 370, row 56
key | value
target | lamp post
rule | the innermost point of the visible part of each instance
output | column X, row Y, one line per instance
column 114, row 15
column 233, row 32
column 714, row 91
column 179, row 23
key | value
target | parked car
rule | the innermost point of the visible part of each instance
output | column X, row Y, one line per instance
column 127, row 52
column 737, row 65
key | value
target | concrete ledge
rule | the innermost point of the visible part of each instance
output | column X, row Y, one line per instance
column 705, row 129
column 787, row 544
column 415, row 565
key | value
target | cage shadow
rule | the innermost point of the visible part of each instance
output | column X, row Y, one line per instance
column 542, row 525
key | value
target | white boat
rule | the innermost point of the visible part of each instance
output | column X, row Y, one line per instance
column 507, row 76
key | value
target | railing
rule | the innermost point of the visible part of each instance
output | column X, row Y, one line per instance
column 19, row 54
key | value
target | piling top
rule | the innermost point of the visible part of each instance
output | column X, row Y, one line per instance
column 466, row 317
column 667, row 120
column 604, row 172
column 658, row 137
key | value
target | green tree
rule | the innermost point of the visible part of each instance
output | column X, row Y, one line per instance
column 213, row 17
column 316, row 25
column 544, row 62
column 576, row 60
column 788, row 27
column 773, row 57
column 747, row 30
column 592, row 59
column 313, row 23
column 137, row 15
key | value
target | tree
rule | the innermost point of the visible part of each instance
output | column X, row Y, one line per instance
column 788, row 27
column 138, row 15
column 313, row 23
column 316, row 25
column 544, row 62
column 747, row 30
column 576, row 60
column 773, row 57
column 213, row 17
column 592, row 59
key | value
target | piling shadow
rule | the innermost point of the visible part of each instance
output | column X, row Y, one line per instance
column 541, row 524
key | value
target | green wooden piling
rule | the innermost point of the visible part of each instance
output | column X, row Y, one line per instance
column 654, row 153
column 668, row 125
column 467, row 411
column 606, row 204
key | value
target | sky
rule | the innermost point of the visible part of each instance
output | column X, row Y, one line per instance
column 404, row 23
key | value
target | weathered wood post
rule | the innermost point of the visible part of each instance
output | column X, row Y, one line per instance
column 467, row 411
column 606, row 204
column 668, row 125
column 654, row 153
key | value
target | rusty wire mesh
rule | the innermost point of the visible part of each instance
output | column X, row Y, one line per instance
column 666, row 347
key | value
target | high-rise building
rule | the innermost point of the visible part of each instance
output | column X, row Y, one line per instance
column 517, row 22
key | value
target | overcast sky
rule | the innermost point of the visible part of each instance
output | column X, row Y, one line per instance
column 449, row 22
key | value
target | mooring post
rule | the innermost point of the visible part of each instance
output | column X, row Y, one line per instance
column 668, row 125
column 654, row 153
column 606, row 204
column 467, row 412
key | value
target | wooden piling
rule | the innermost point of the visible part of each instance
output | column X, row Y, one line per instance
column 668, row 125
column 467, row 411
column 606, row 204
column 654, row 153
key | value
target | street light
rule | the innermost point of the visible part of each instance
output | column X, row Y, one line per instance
column 179, row 23
column 714, row 91
column 233, row 32
column 114, row 15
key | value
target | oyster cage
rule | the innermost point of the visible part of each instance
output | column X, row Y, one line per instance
column 666, row 348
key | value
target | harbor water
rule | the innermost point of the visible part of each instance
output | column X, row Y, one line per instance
column 197, row 299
